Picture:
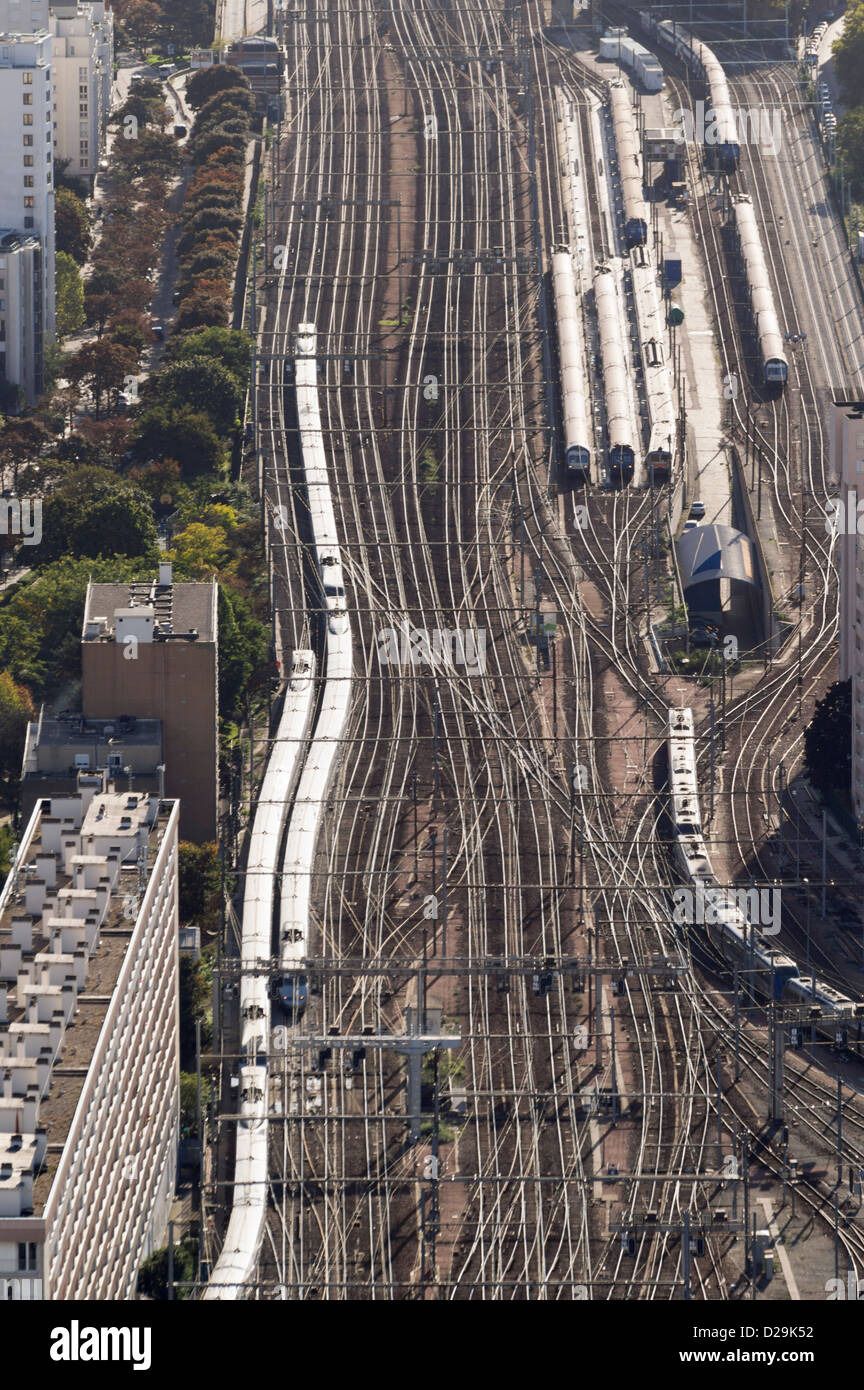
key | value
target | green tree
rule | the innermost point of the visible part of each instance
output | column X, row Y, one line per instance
column 70, row 295
column 71, row 225
column 189, row 1102
column 828, row 742
column 40, row 619
column 95, row 513
column 102, row 368
column 244, row 652
column 207, row 81
column 204, row 384
column 200, row 873
column 16, row 708
column 194, row 1002
column 182, row 434
column 153, row 1274
column 848, row 54
column 228, row 346
column 850, row 145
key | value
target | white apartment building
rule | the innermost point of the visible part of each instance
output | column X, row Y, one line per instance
column 83, row 65
column 27, row 165
column 21, row 311
column 89, row 1061
column 23, row 16
column 847, row 471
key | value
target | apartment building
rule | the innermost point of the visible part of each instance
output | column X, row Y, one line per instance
column 83, row 63
column 89, row 1060
column 27, row 315
column 151, row 650
column 22, row 292
column 59, row 750
column 846, row 451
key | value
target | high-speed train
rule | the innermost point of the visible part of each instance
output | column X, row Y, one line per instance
column 295, row 787
column 629, row 165
column 317, row 774
column 717, row 912
column 614, row 356
column 720, row 135
column 571, row 363
column 249, row 1206
column 773, row 363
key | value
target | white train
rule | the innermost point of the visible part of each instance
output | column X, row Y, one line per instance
column 286, row 770
column 629, row 165
column 571, row 364
column 718, row 913
column 615, row 358
column 722, row 146
column 773, row 363
column 656, row 369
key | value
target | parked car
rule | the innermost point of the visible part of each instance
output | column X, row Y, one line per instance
column 697, row 510
column 158, row 331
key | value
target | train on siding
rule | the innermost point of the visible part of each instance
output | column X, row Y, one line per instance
column 614, row 355
column 733, row 929
column 720, row 134
column 573, row 393
column 773, row 363
column 629, row 165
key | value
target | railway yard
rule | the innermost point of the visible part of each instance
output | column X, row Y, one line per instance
column 482, row 1058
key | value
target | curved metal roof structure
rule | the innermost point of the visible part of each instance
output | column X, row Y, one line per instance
column 715, row 552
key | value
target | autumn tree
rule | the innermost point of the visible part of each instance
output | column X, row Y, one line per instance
column 204, row 83
column 16, row 708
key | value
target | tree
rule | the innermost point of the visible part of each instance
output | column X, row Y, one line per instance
column 102, row 368
column 71, row 225
column 161, row 482
column 153, row 1274
column 185, row 435
column 227, row 345
column 40, row 619
column 141, row 21
column 200, row 890
column 850, row 145
column 131, row 329
column 16, row 709
column 207, row 81
column 202, row 383
column 204, row 308
column 194, row 1002
column 244, row 652
column 200, row 550
column 93, row 512
column 152, row 152
column 235, row 99
column 70, row 295
column 189, row 1102
column 848, row 51
column 828, row 741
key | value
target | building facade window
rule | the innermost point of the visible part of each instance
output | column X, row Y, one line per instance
column 28, row 119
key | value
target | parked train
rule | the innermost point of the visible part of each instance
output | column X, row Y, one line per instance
column 773, row 363
column 656, row 370
column 614, row 356
column 720, row 133
column 294, row 788
column 629, row 165
column 571, row 362
column 718, row 913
